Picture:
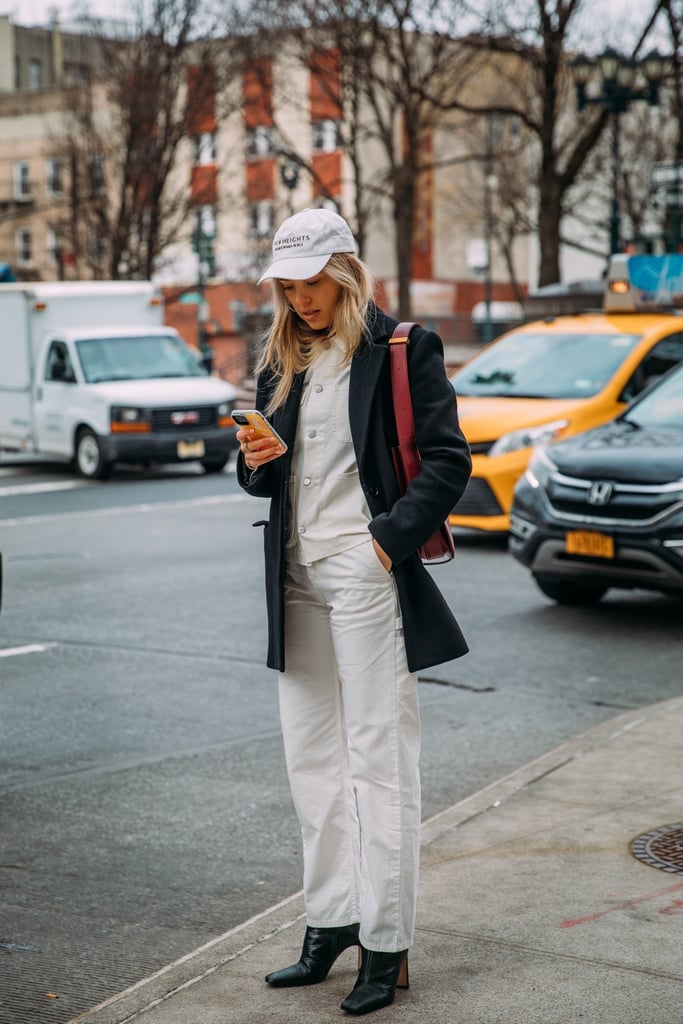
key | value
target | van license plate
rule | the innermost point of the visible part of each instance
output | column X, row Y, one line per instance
column 589, row 542
column 190, row 449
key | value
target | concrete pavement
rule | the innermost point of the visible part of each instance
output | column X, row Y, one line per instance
column 533, row 908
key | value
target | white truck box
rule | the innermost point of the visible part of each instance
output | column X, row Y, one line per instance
column 89, row 373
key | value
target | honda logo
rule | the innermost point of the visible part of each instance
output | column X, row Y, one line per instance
column 180, row 419
column 600, row 492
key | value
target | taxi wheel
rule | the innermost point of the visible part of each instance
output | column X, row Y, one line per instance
column 570, row 592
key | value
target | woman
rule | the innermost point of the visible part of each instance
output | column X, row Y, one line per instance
column 352, row 612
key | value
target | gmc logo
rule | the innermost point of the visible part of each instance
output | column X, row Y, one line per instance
column 182, row 419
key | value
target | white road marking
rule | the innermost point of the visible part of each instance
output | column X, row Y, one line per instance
column 12, row 652
column 218, row 499
column 57, row 485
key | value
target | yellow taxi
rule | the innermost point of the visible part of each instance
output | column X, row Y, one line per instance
column 559, row 376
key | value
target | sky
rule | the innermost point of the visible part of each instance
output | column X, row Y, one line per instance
column 622, row 13
column 37, row 12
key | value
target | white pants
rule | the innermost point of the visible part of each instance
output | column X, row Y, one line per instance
column 351, row 726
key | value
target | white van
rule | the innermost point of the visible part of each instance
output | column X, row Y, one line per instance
column 90, row 374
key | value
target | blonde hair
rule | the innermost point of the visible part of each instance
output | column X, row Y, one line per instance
column 289, row 346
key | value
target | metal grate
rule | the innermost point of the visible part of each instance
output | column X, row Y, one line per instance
column 478, row 500
column 662, row 848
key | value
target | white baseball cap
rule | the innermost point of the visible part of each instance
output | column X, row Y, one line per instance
column 304, row 243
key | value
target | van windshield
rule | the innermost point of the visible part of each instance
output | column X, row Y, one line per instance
column 136, row 358
column 545, row 365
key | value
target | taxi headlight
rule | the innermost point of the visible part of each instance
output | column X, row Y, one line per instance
column 528, row 437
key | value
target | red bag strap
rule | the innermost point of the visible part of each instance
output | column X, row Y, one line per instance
column 400, row 384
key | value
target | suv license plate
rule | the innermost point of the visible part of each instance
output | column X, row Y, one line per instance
column 589, row 542
column 190, row 449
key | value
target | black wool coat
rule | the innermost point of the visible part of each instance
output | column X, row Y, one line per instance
column 400, row 523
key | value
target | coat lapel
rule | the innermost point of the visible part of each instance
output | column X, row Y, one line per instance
column 366, row 368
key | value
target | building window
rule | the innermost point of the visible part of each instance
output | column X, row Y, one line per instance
column 53, row 177
column 24, row 247
column 261, row 219
column 97, row 247
column 204, row 148
column 35, row 74
column 97, row 184
column 22, row 180
column 326, row 135
column 55, row 248
column 75, row 74
column 260, row 141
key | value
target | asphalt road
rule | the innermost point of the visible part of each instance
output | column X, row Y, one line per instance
column 144, row 808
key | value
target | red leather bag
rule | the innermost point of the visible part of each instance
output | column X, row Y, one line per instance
column 440, row 547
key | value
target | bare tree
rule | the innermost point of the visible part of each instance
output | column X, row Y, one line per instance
column 673, row 10
column 542, row 35
column 402, row 68
column 124, row 133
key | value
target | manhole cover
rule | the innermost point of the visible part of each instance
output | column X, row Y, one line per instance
column 662, row 848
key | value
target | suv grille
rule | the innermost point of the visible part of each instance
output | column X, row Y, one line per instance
column 190, row 417
column 627, row 503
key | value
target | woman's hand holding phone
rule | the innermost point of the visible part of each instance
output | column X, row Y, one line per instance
column 259, row 442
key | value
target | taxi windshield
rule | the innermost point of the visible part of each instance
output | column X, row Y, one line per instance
column 552, row 365
column 662, row 407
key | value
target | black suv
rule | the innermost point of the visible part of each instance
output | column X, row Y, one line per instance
column 605, row 508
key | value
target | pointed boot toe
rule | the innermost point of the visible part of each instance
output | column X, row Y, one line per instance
column 320, row 949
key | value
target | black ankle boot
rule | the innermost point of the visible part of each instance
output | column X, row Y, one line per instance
column 379, row 976
column 321, row 948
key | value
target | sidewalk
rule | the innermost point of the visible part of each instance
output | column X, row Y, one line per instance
column 533, row 909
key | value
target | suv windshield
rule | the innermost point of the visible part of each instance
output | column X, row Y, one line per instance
column 545, row 365
column 136, row 358
column 661, row 407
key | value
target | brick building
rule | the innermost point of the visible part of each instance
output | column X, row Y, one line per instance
column 264, row 144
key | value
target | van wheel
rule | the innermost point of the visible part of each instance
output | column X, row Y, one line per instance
column 570, row 592
column 214, row 465
column 90, row 460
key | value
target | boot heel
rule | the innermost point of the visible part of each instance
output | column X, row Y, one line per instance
column 402, row 980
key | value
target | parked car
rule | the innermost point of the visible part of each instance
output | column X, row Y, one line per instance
column 605, row 509
column 560, row 376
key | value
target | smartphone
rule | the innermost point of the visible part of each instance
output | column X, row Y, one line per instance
column 255, row 419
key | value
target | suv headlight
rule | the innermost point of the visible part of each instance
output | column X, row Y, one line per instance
column 541, row 467
column 528, row 437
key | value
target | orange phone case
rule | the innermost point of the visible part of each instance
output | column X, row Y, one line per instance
column 254, row 418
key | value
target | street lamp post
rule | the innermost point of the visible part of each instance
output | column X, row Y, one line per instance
column 202, row 241
column 619, row 75
column 489, row 185
column 289, row 176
